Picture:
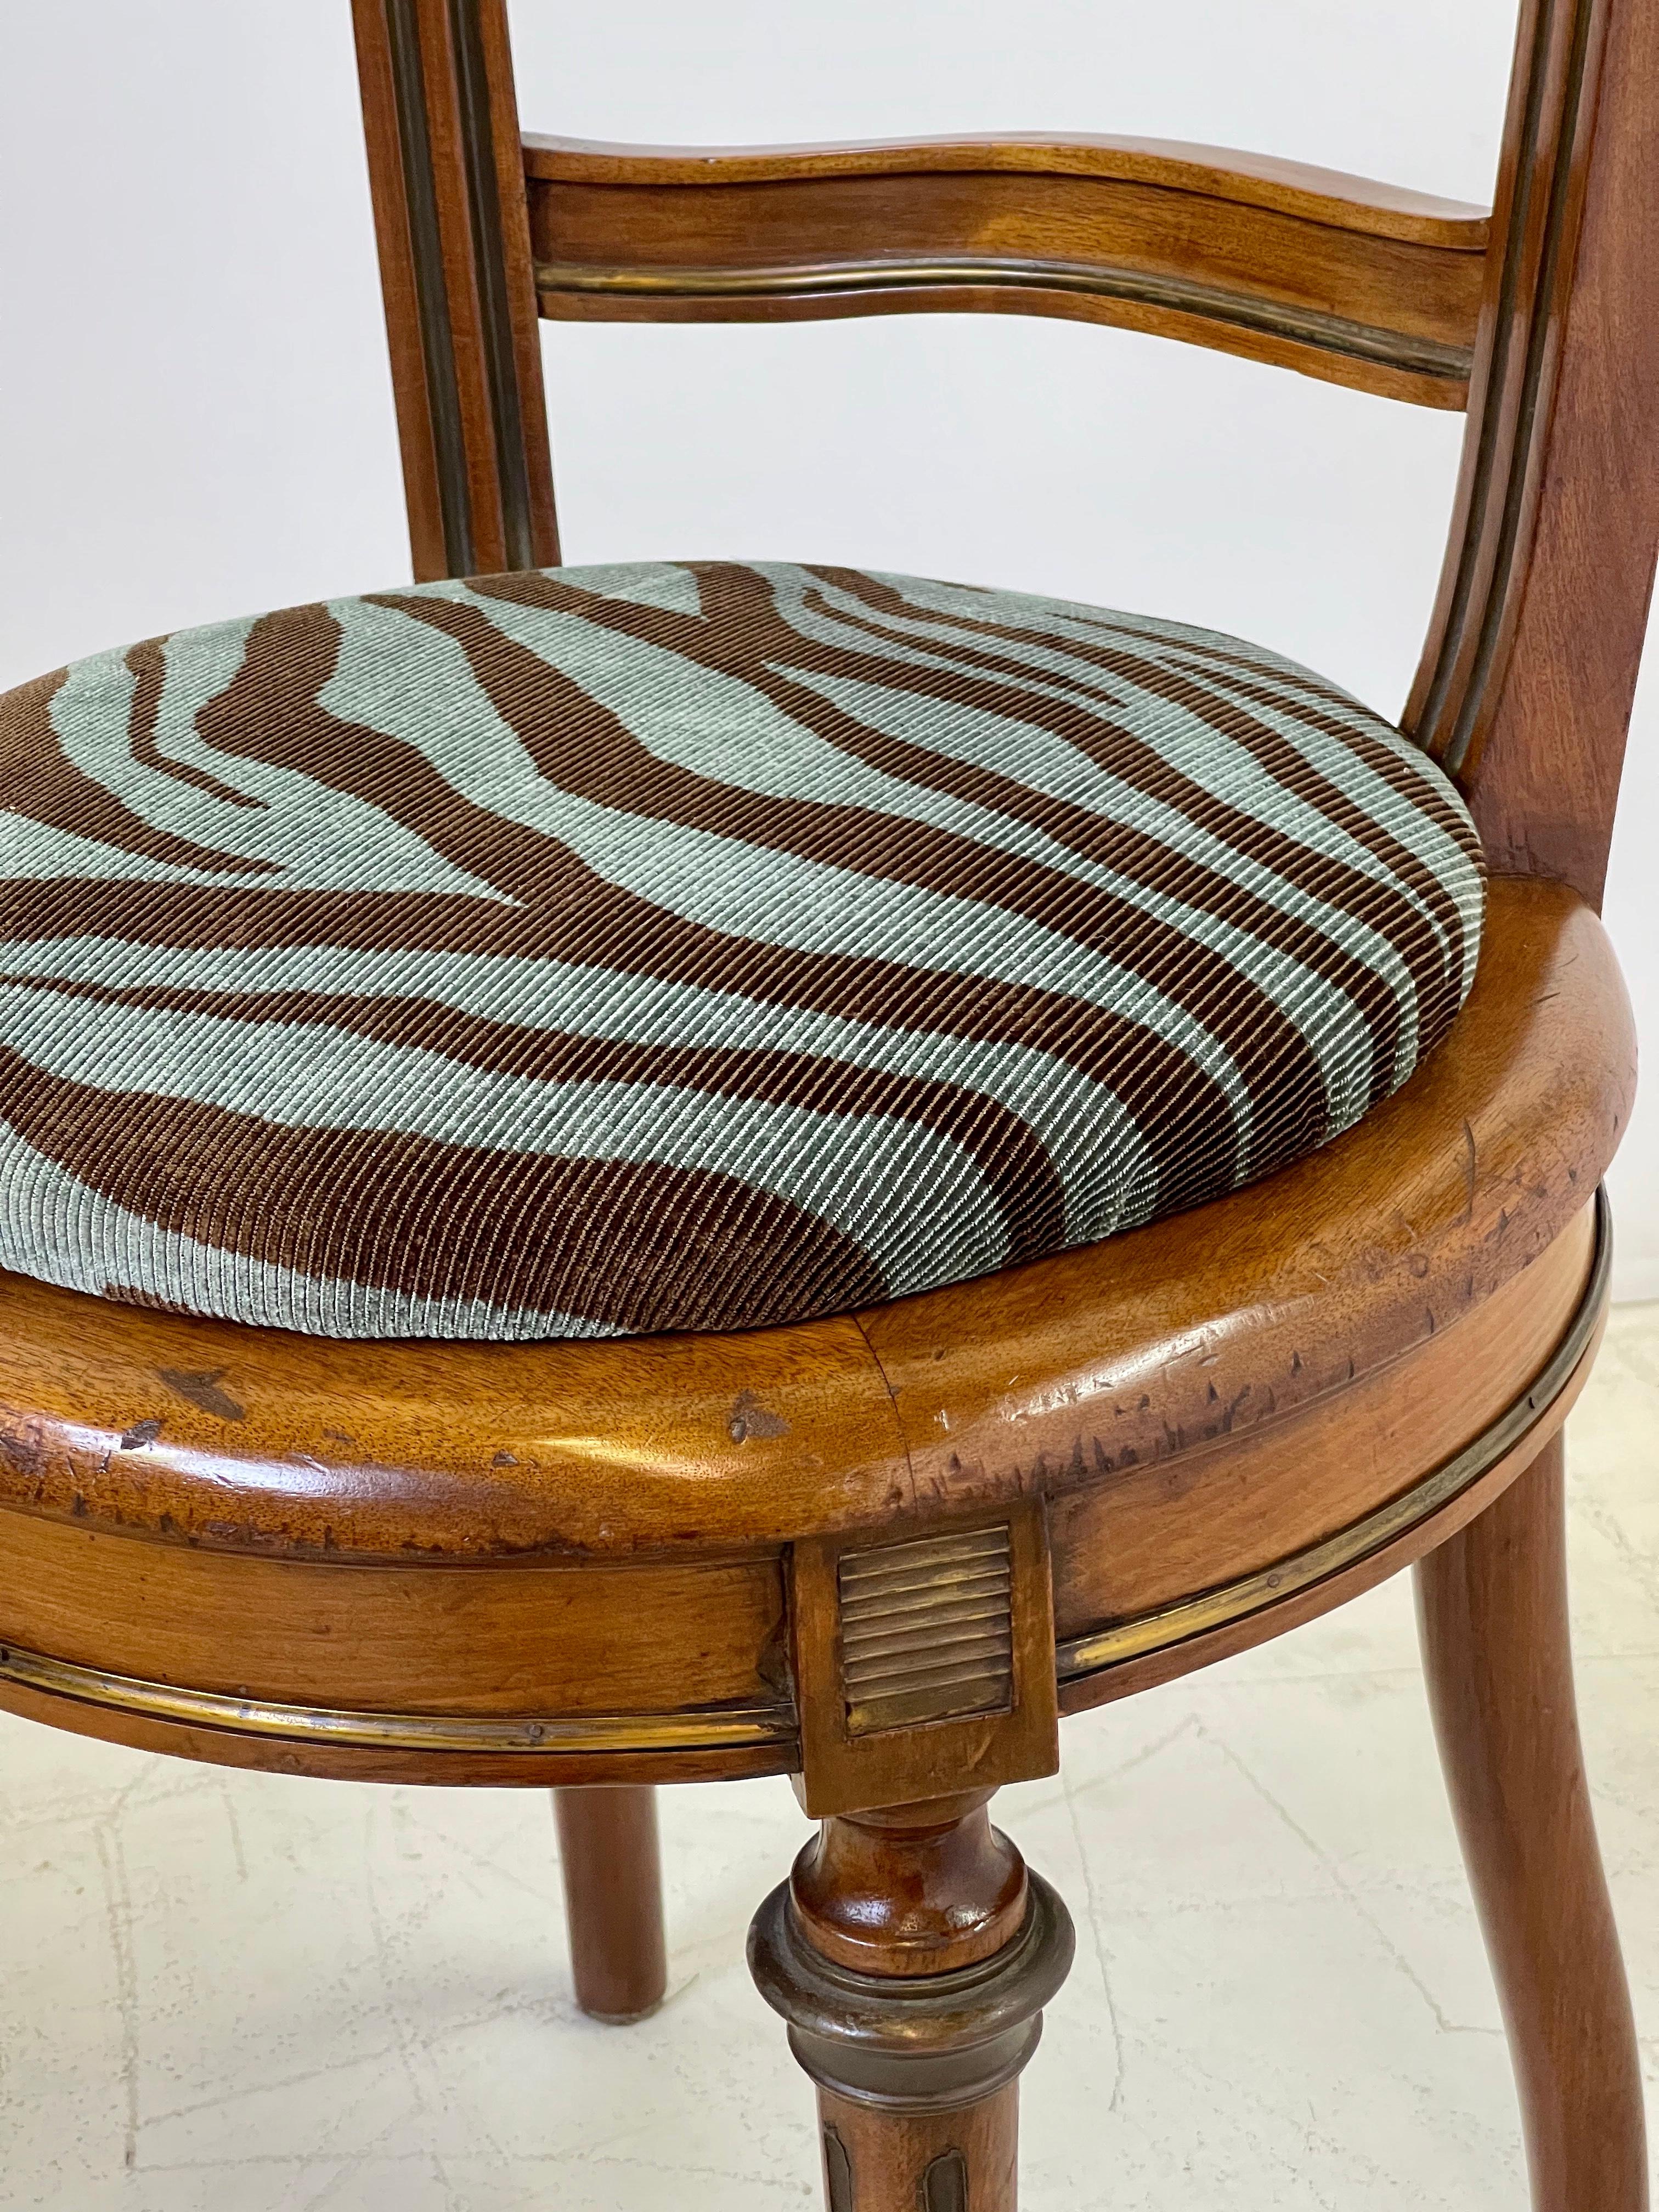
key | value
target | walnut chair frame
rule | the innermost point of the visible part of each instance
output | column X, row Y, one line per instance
column 885, row 1552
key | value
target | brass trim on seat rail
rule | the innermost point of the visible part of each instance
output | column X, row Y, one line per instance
column 1215, row 303
column 759, row 1726
column 1099, row 1650
column 733, row 1728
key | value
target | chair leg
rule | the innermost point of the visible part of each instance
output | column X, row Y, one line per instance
column 613, row 1899
column 1492, row 1616
column 911, row 1953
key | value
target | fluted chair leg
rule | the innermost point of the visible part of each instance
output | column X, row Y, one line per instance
column 1492, row 1615
column 911, row 1953
column 613, row 1899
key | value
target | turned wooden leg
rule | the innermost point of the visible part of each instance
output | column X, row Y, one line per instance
column 613, row 1899
column 912, row 1953
column 1493, row 1612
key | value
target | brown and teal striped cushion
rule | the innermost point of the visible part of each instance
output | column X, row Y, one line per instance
column 686, row 946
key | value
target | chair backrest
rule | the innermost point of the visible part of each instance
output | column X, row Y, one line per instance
column 1541, row 317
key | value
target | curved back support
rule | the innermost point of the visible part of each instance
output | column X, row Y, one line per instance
column 1530, row 665
column 1543, row 318
column 442, row 127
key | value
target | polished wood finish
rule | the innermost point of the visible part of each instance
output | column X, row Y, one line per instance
column 468, row 1642
column 882, row 1551
column 546, row 1631
column 1230, row 1319
column 491, row 1740
column 911, row 1953
column 1335, row 275
column 1493, row 1608
column 496, row 1740
column 1531, row 665
column 961, row 1624
column 1264, row 180
column 964, row 2161
column 915, row 1891
column 443, row 131
column 1154, row 1346
column 609, row 1855
column 1295, row 1510
column 1207, row 1401
column 1551, row 108
column 1178, row 1639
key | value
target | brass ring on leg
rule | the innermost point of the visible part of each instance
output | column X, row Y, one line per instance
column 924, row 2043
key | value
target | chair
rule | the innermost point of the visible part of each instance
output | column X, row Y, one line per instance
column 800, row 1512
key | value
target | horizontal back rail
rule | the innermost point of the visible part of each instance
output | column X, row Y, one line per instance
column 1542, row 320
column 1359, row 283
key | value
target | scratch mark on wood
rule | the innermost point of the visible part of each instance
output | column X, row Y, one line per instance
column 202, row 1389
column 749, row 1418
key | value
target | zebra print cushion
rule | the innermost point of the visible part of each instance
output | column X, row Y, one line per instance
column 686, row 946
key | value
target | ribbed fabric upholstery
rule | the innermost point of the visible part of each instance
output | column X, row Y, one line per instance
column 686, row 946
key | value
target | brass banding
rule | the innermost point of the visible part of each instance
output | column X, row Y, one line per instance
column 1100, row 1649
column 517, row 1734
column 978, row 1666
column 1307, row 327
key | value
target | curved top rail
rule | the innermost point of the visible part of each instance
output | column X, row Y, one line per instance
column 1297, row 188
column 1358, row 282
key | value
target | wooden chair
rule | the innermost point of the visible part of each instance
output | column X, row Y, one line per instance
column 602, row 1564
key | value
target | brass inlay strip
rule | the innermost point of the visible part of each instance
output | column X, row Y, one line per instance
column 1525, row 348
column 431, row 300
column 1102, row 1648
column 971, row 1616
column 562, row 1732
column 1307, row 326
column 490, row 262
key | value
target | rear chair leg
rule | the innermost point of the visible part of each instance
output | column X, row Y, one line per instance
column 613, row 1899
column 1493, row 1608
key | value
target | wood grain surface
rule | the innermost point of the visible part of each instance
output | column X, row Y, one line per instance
column 442, row 128
column 1492, row 1609
column 1335, row 275
column 611, row 1866
column 1043, row 1378
column 1531, row 661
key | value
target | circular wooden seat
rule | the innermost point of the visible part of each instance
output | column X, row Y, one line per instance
column 572, row 1561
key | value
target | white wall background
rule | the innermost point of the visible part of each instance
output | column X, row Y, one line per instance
column 196, row 417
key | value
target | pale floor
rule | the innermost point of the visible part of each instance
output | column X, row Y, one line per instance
column 223, row 1992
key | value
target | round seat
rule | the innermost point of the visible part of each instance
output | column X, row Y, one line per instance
column 571, row 1561
column 601, row 951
